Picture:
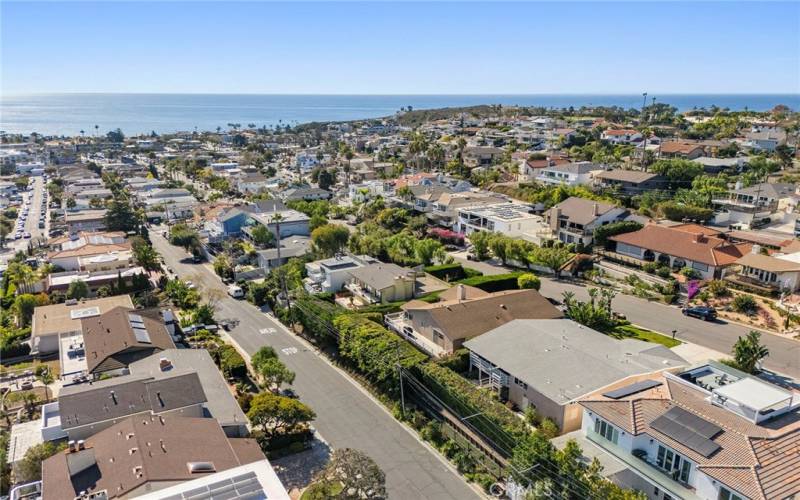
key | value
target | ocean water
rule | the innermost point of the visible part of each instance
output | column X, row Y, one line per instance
column 68, row 114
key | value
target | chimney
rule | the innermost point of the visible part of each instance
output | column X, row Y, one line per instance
column 80, row 459
column 555, row 214
column 595, row 209
column 164, row 364
column 462, row 293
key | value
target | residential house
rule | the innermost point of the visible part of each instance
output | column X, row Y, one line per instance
column 510, row 219
column 575, row 219
column 380, row 283
column 749, row 205
column 768, row 273
column 290, row 247
column 531, row 169
column 85, row 220
column 465, row 312
column 86, row 409
column 706, row 432
column 629, row 182
column 445, row 209
column 716, row 165
column 270, row 213
column 703, row 250
column 304, row 193
column 115, row 339
column 550, row 364
column 368, row 190
column 766, row 140
column 330, row 275
column 92, row 251
column 252, row 183
column 570, row 174
column 621, row 136
column 51, row 321
column 141, row 455
column 684, row 150
column 482, row 156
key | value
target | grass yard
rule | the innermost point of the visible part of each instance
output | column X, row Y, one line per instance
column 635, row 332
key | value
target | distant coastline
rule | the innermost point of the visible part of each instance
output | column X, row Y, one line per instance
column 68, row 114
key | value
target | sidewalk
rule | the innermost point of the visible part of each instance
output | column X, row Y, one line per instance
column 694, row 353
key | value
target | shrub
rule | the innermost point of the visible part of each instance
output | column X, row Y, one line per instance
column 495, row 283
column 447, row 272
column 676, row 212
column 602, row 233
column 690, row 273
column 718, row 288
column 650, row 267
column 231, row 362
column 744, row 304
column 663, row 272
column 529, row 280
column 458, row 361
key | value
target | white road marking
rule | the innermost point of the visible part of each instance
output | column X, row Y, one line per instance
column 289, row 350
column 267, row 331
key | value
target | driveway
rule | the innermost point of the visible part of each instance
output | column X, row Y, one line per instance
column 346, row 416
column 720, row 336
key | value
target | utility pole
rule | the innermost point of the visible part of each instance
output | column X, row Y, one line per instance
column 400, row 378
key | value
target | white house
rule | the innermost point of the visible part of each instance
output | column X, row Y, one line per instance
column 621, row 136
column 570, row 174
column 707, row 432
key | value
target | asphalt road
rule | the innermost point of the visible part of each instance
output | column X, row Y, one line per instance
column 346, row 416
column 31, row 223
column 784, row 355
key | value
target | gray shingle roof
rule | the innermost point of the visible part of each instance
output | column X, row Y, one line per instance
column 564, row 360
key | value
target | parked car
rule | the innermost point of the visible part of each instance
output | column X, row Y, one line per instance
column 701, row 312
column 235, row 291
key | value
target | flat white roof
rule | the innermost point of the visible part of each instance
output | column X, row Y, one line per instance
column 754, row 393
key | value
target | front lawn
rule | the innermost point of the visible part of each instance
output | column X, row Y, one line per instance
column 636, row 332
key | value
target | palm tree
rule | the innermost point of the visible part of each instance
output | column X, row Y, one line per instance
column 748, row 352
column 46, row 378
column 96, row 130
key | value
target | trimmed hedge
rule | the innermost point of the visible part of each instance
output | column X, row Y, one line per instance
column 374, row 350
column 495, row 283
column 452, row 272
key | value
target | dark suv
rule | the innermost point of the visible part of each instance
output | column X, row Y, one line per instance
column 701, row 312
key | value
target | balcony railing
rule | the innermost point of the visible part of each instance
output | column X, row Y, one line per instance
column 645, row 469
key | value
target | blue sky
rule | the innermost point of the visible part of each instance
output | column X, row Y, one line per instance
column 400, row 48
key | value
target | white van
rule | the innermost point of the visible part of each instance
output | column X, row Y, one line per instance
column 235, row 291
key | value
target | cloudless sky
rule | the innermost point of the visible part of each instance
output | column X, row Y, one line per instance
column 400, row 48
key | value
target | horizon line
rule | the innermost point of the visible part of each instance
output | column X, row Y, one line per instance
column 419, row 94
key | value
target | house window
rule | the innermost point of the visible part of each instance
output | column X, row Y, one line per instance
column 520, row 383
column 673, row 464
column 606, row 430
column 699, row 266
column 726, row 494
column 438, row 337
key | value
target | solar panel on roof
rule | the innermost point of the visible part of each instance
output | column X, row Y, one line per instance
column 135, row 317
column 142, row 335
column 697, row 424
column 632, row 389
column 241, row 486
column 684, row 435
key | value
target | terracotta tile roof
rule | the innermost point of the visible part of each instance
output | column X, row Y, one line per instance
column 712, row 251
column 626, row 131
column 671, row 147
column 759, row 461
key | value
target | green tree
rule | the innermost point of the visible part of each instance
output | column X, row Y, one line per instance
column 183, row 236
column 262, row 355
column 24, row 305
column 45, row 376
column 748, row 352
column 262, row 236
column 120, row 215
column 77, row 290
column 480, row 244
column 30, row 468
column 427, row 250
column 276, row 415
column 329, row 239
column 145, row 255
column 274, row 374
column 223, row 266
column 529, row 280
